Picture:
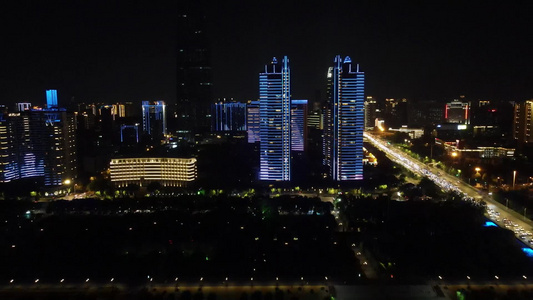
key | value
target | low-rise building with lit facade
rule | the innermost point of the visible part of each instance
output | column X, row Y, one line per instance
column 457, row 112
column 171, row 172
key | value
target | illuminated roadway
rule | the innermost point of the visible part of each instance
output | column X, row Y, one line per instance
column 496, row 212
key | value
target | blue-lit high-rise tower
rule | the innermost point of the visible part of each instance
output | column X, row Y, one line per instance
column 298, row 125
column 275, row 121
column 343, row 133
column 228, row 116
column 154, row 119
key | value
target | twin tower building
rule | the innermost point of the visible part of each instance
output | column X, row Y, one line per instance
column 343, row 118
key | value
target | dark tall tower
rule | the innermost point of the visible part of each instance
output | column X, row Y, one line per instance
column 194, row 85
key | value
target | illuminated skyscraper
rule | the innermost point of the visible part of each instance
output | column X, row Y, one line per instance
column 228, row 116
column 315, row 119
column 253, row 121
column 40, row 142
column 370, row 112
column 154, row 119
column 343, row 135
column 275, row 123
column 7, row 172
column 298, row 125
column 523, row 122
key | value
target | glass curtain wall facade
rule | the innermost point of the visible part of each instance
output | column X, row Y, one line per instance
column 39, row 143
column 154, row 119
column 228, row 116
column 253, row 121
column 343, row 135
column 298, row 125
column 275, row 121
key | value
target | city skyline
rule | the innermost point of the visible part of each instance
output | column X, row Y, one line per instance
column 410, row 49
column 159, row 150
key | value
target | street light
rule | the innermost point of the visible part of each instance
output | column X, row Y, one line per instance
column 67, row 183
column 514, row 178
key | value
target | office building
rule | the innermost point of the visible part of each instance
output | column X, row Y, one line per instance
column 172, row 172
column 275, row 121
column 129, row 134
column 194, row 74
column 457, row 112
column 523, row 124
column 253, row 121
column 228, row 116
column 7, row 172
column 154, row 119
column 39, row 142
column 298, row 125
column 396, row 112
column 343, row 135
column 426, row 113
column 371, row 112
column 22, row 106
column 315, row 119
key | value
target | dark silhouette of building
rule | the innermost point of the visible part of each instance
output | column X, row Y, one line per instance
column 194, row 75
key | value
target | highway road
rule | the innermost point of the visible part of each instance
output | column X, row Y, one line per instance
column 498, row 213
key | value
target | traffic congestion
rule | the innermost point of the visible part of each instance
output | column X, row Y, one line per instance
column 502, row 216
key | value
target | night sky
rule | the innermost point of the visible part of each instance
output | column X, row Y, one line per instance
column 118, row 51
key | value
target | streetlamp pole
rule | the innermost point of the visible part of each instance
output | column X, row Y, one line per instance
column 514, row 178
